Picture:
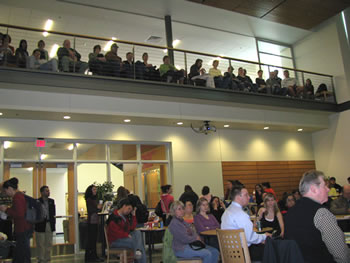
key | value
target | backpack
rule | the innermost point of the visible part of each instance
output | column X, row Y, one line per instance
column 141, row 213
column 35, row 210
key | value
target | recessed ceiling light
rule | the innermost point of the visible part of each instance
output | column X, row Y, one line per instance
column 48, row 25
column 266, row 128
column 176, row 42
column 66, row 117
column 7, row 144
column 127, row 120
column 0, row 113
column 71, row 147
column 30, row 168
column 179, row 123
column 45, row 34
column 299, row 130
column 53, row 51
column 165, row 50
column 226, row 125
column 43, row 156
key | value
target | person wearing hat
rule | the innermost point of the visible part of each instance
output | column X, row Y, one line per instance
column 23, row 229
column 114, row 61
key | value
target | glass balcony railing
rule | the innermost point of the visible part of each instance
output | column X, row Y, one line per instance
column 111, row 61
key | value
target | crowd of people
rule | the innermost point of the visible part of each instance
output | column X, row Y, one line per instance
column 111, row 64
column 306, row 216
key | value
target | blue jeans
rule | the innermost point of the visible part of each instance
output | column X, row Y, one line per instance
column 134, row 242
column 208, row 254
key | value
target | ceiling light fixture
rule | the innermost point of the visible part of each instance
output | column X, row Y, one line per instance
column 176, row 42
column 114, row 38
column 299, row 130
column 48, row 25
column 45, row 34
column 179, row 123
column 71, row 147
column 30, row 169
column 165, row 50
column 266, row 128
column 66, row 117
column 226, row 125
column 108, row 45
column 43, row 156
column 7, row 144
column 53, row 51
column 1, row 113
column 127, row 120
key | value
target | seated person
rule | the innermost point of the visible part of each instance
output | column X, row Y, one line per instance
column 340, row 206
column 145, row 70
column 277, row 77
column 291, row 84
column 197, row 72
column 43, row 52
column 169, row 73
column 261, row 84
column 249, row 80
column 274, row 85
column 204, row 221
column 188, row 216
column 22, row 54
column 34, row 62
column 235, row 218
column 69, row 58
column 97, row 61
column 7, row 52
column 333, row 183
column 121, row 230
column 128, row 66
column 287, row 202
column 314, row 227
column 184, row 235
column 248, row 85
column 309, row 89
column 114, row 61
column 322, row 91
column 270, row 215
column 217, row 208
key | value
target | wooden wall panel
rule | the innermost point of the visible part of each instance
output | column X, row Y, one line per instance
column 284, row 176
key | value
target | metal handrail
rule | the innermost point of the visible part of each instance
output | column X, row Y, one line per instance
column 160, row 47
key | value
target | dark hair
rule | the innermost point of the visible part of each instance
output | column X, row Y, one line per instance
column 198, row 60
column 42, row 189
column 35, row 50
column 96, row 47
column 295, row 191
column 144, row 54
column 122, row 192
column 332, row 178
column 260, row 70
column 165, row 57
column 13, row 182
column 286, row 71
column 21, row 42
column 205, row 190
column 165, row 188
column 236, row 190
column 124, row 202
column 266, row 184
column 6, row 35
column 88, row 192
column 188, row 188
column 41, row 41
column 128, row 53
column 349, row 178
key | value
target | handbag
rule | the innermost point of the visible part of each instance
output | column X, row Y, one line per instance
column 197, row 245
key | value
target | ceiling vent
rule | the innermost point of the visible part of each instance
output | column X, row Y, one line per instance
column 154, row 39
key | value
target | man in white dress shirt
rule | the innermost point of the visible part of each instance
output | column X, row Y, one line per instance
column 235, row 218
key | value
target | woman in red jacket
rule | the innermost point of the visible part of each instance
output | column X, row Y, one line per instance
column 23, row 229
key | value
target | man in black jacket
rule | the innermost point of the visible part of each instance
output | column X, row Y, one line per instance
column 45, row 229
column 69, row 59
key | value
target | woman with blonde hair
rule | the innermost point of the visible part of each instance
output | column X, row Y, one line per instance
column 270, row 215
column 184, row 237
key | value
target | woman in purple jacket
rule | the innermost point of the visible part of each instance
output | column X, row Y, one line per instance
column 205, row 221
column 184, row 235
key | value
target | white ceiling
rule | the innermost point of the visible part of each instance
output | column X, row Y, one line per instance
column 199, row 27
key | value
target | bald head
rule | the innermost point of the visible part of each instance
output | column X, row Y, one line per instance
column 346, row 191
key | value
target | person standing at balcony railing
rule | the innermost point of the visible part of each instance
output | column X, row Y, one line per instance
column 216, row 74
column 128, row 66
column 69, row 59
column 169, row 73
column 35, row 62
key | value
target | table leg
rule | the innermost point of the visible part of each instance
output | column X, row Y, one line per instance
column 102, row 234
column 150, row 241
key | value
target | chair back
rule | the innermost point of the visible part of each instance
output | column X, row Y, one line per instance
column 233, row 246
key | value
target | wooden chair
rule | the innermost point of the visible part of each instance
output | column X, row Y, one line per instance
column 233, row 246
column 121, row 252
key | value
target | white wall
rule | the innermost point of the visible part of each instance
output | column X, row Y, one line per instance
column 88, row 173
column 320, row 52
column 57, row 181
column 25, row 178
column 117, row 177
column 196, row 157
column 332, row 147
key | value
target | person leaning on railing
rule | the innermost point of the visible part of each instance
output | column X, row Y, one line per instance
column 69, row 59
column 35, row 62
column 114, row 61
column 7, row 52
column 169, row 73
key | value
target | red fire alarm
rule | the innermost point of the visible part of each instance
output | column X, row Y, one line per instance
column 40, row 143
